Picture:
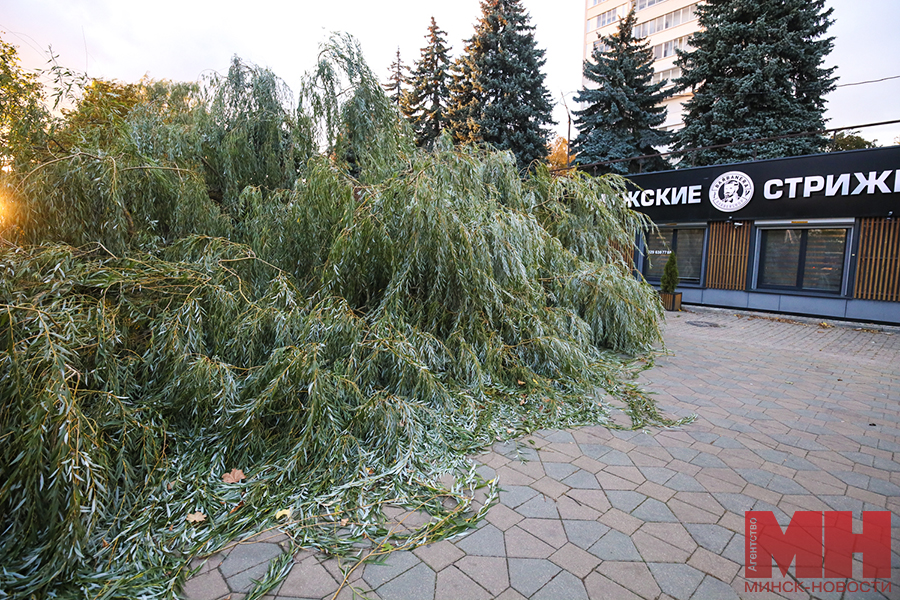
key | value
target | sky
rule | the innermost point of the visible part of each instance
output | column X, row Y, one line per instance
column 184, row 40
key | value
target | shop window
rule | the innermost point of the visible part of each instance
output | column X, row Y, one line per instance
column 687, row 243
column 802, row 259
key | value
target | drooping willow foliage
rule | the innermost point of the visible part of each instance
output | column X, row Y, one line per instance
column 207, row 290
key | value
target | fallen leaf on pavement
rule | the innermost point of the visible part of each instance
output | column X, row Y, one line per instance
column 233, row 476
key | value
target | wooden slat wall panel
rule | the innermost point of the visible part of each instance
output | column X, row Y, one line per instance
column 878, row 264
column 626, row 252
column 726, row 265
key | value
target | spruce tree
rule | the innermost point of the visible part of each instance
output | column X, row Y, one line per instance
column 396, row 79
column 426, row 102
column 622, row 105
column 498, row 94
column 756, row 72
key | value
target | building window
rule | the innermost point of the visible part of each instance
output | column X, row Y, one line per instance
column 669, row 75
column 606, row 18
column 642, row 4
column 596, row 2
column 668, row 48
column 600, row 46
column 687, row 243
column 803, row 259
column 666, row 21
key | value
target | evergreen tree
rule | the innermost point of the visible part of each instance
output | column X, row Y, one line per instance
column 426, row 103
column 623, row 106
column 396, row 79
column 756, row 72
column 498, row 94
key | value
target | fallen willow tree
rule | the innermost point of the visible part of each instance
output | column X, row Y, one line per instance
column 344, row 336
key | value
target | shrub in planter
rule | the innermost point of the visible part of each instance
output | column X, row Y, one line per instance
column 668, row 283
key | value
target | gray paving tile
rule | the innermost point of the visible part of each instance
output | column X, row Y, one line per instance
column 886, row 465
column 735, row 551
column 798, row 442
column 309, row 579
column 800, row 464
column 549, row 531
column 516, row 451
column 514, row 495
column 522, row 544
column 560, row 471
column 727, row 442
column 659, row 475
column 528, row 575
column 564, row 585
column 453, row 584
column 645, row 439
column 439, row 555
column 703, row 436
column 243, row 581
column 489, row 572
column 418, row 583
column 708, row 460
column 756, row 476
column 615, row 545
column 677, row 580
column 582, row 480
column 885, row 488
column 773, row 456
column 557, row 436
column 713, row 589
column 617, row 458
column 487, row 541
column 208, row 586
column 245, row 556
column 595, row 451
column 584, row 534
column 539, row 507
column 624, row 500
column 783, row 485
column 685, row 454
column 681, row 482
column 486, row 472
column 712, row 537
column 394, row 564
column 654, row 511
column 736, row 503
column 844, row 503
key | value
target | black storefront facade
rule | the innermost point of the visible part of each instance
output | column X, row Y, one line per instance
column 814, row 235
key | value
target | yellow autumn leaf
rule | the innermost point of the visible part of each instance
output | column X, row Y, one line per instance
column 284, row 512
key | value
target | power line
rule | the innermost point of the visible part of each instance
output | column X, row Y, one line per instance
column 870, row 81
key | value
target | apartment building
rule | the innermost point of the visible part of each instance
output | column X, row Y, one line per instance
column 666, row 24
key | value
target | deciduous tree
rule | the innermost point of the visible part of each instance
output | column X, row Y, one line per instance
column 22, row 114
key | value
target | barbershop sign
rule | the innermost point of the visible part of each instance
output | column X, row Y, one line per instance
column 861, row 183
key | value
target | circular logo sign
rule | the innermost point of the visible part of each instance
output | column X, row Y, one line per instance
column 731, row 191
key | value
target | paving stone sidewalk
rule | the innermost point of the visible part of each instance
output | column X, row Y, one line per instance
column 791, row 416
